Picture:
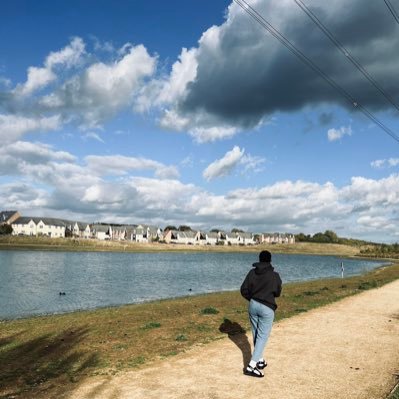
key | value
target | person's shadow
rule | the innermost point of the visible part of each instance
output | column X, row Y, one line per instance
column 237, row 335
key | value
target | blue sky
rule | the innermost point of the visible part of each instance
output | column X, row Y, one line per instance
column 191, row 113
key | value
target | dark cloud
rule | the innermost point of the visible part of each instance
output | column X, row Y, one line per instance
column 326, row 118
column 247, row 74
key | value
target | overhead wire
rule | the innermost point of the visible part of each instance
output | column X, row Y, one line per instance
column 392, row 10
column 306, row 60
column 344, row 51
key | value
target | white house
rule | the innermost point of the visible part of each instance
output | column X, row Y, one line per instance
column 232, row 239
column 180, row 237
column 33, row 226
column 245, row 238
column 212, row 238
column 200, row 238
column 24, row 225
column 101, row 231
column 278, row 238
column 78, row 229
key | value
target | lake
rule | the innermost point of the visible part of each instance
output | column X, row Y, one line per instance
column 30, row 281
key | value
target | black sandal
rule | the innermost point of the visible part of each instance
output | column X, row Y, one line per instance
column 261, row 364
column 253, row 372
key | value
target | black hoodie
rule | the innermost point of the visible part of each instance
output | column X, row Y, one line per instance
column 262, row 284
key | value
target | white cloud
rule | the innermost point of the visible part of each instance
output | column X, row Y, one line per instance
column 24, row 151
column 103, row 89
column 365, row 208
column 225, row 165
column 38, row 78
column 382, row 163
column 69, row 56
column 12, row 127
column 94, row 136
column 119, row 165
column 209, row 134
column 22, row 196
column 337, row 134
column 252, row 163
column 379, row 163
column 373, row 193
column 164, row 91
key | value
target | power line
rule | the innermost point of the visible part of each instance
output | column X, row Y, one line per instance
column 344, row 51
column 392, row 10
column 282, row 39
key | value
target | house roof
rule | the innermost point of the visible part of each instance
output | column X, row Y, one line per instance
column 6, row 215
column 188, row 234
column 103, row 228
column 36, row 220
column 26, row 220
column 245, row 235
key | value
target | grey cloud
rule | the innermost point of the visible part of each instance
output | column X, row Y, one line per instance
column 325, row 118
column 250, row 75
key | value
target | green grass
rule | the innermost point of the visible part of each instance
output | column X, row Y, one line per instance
column 44, row 357
column 209, row 310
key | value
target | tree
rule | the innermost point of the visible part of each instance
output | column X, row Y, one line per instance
column 5, row 229
column 235, row 230
column 184, row 228
column 320, row 237
column 169, row 228
column 215, row 230
column 302, row 237
column 331, row 235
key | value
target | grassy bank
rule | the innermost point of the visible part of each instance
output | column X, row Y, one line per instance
column 72, row 244
column 45, row 357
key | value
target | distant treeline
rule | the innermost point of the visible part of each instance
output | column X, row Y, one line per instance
column 371, row 249
column 382, row 251
column 330, row 237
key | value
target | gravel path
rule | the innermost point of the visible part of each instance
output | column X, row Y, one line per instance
column 347, row 350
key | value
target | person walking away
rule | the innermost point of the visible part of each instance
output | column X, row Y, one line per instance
column 260, row 287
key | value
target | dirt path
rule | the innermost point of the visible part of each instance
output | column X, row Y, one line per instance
column 347, row 350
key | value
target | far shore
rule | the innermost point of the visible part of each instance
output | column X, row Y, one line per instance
column 85, row 245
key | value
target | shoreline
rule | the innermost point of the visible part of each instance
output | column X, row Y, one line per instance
column 82, row 245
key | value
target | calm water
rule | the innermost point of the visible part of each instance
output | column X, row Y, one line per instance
column 30, row 281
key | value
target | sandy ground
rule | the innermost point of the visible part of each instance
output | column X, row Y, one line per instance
column 347, row 350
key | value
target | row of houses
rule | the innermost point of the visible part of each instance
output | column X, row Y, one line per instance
column 60, row 228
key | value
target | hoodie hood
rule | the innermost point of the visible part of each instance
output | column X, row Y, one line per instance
column 262, row 267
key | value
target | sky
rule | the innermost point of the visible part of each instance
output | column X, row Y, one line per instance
column 192, row 113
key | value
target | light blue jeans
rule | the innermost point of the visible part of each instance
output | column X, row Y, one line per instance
column 261, row 318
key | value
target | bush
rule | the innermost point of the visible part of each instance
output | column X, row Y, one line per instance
column 151, row 325
column 5, row 229
column 209, row 310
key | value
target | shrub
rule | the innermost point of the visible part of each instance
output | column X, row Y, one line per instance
column 209, row 310
column 150, row 326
